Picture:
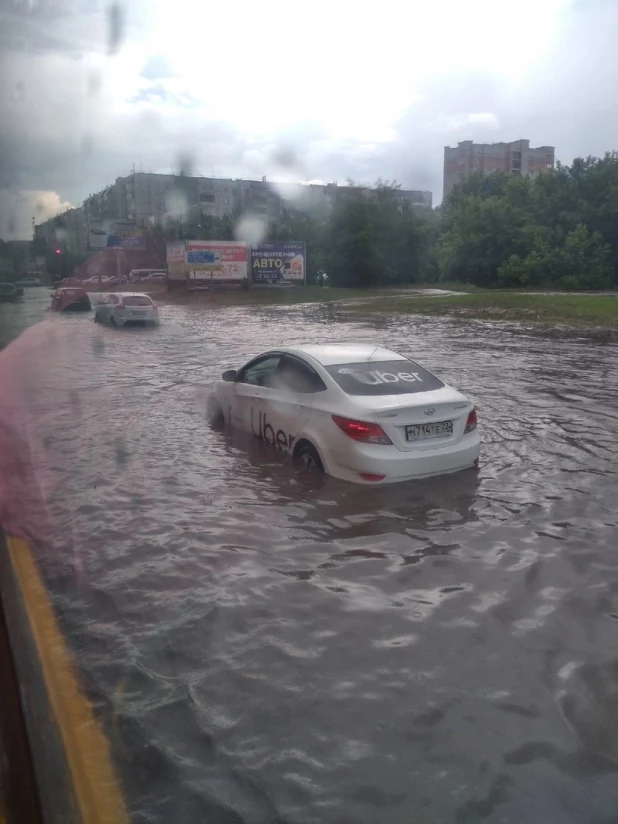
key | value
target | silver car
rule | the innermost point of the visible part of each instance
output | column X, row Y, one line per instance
column 120, row 308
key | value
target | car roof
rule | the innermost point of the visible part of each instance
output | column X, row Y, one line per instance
column 329, row 354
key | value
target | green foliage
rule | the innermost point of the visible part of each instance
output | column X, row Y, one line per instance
column 559, row 230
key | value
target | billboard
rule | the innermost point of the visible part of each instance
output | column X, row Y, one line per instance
column 278, row 262
column 176, row 260
column 203, row 259
column 228, row 259
column 115, row 234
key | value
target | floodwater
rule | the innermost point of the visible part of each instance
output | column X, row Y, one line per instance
column 263, row 647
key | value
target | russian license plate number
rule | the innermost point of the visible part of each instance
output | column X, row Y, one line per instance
column 418, row 431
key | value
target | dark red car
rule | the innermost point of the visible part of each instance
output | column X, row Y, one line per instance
column 71, row 299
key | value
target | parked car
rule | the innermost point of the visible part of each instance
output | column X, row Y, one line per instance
column 121, row 308
column 155, row 277
column 358, row 412
column 29, row 281
column 70, row 299
column 138, row 275
column 10, row 292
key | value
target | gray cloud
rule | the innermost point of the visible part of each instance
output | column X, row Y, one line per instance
column 61, row 131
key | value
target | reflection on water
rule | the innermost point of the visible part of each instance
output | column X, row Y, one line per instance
column 269, row 647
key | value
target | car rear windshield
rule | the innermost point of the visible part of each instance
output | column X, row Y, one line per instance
column 137, row 301
column 399, row 377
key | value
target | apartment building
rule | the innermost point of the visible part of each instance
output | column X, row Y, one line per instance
column 516, row 158
column 149, row 199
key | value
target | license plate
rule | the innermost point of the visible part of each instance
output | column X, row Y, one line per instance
column 138, row 312
column 417, row 431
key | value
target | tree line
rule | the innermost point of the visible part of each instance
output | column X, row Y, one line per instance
column 558, row 230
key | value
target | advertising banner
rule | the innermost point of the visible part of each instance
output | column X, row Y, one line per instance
column 229, row 259
column 176, row 260
column 278, row 262
column 97, row 234
column 115, row 234
column 203, row 259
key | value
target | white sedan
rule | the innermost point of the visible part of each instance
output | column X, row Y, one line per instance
column 355, row 411
column 120, row 308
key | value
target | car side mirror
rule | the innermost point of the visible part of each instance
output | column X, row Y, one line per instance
column 229, row 375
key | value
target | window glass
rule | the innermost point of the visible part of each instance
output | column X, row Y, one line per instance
column 259, row 372
column 138, row 300
column 399, row 377
column 297, row 376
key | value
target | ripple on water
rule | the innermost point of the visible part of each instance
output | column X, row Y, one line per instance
column 268, row 648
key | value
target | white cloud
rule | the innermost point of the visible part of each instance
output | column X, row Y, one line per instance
column 18, row 208
column 354, row 90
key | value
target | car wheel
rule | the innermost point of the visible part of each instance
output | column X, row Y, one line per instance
column 214, row 413
column 112, row 321
column 306, row 457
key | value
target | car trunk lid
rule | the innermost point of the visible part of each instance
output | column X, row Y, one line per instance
column 422, row 421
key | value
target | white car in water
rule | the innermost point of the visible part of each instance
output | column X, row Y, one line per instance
column 120, row 308
column 355, row 411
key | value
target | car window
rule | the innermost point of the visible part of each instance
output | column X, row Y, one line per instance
column 261, row 371
column 297, row 376
column 112, row 299
column 138, row 300
column 399, row 377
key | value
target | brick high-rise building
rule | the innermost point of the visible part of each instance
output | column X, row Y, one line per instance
column 515, row 158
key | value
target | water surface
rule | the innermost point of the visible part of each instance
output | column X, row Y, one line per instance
column 264, row 647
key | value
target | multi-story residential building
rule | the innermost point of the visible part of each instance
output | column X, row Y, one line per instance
column 68, row 230
column 515, row 158
column 149, row 199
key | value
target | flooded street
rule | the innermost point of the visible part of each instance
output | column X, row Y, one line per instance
column 265, row 647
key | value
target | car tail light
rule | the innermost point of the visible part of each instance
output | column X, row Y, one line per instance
column 370, row 476
column 471, row 422
column 120, row 306
column 362, row 430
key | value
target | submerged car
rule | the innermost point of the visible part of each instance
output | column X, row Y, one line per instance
column 357, row 412
column 71, row 299
column 121, row 308
column 10, row 292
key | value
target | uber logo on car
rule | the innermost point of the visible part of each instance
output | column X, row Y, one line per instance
column 266, row 432
column 374, row 378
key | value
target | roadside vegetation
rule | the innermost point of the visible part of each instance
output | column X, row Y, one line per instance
column 571, row 310
column 558, row 231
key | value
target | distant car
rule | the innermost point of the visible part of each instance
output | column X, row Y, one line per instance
column 138, row 275
column 10, row 292
column 121, row 308
column 155, row 277
column 358, row 412
column 29, row 281
column 70, row 299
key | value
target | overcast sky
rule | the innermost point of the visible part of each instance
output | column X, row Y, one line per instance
column 323, row 91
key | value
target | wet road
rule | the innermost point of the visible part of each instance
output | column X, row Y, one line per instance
column 266, row 648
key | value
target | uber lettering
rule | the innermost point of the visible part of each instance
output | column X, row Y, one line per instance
column 264, row 430
column 373, row 378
